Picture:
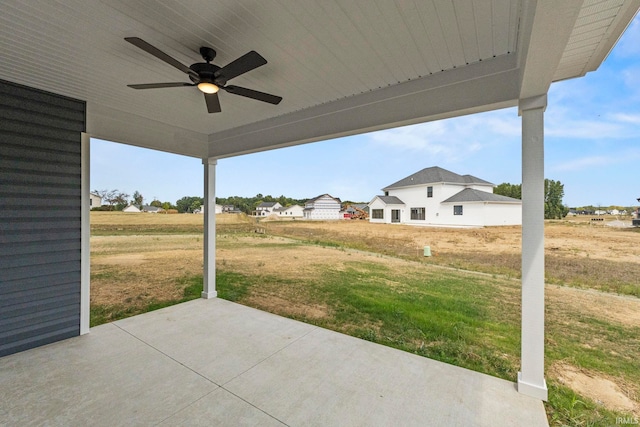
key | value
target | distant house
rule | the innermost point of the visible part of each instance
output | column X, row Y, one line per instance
column 131, row 209
column 267, row 208
column 151, row 209
column 201, row 210
column 295, row 211
column 323, row 207
column 230, row 209
column 436, row 196
column 95, row 201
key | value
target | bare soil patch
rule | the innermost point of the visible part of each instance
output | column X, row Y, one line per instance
column 598, row 387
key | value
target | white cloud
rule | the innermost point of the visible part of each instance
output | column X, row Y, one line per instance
column 455, row 139
column 599, row 161
column 436, row 139
column 633, row 118
column 583, row 163
column 586, row 123
column 586, row 129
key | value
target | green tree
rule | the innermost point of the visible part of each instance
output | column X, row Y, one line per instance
column 553, row 194
column 120, row 200
column 187, row 203
column 116, row 199
column 138, row 200
column 509, row 190
column 156, row 203
column 196, row 204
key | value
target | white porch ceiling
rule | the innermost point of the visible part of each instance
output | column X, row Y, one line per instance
column 342, row 67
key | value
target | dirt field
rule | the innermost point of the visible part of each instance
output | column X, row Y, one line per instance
column 578, row 253
column 571, row 238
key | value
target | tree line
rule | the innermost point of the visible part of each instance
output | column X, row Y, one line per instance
column 553, row 194
column 116, row 200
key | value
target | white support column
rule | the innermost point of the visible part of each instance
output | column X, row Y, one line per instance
column 85, row 234
column 209, row 273
column 531, row 377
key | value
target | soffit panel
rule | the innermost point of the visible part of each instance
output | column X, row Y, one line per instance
column 591, row 37
column 319, row 53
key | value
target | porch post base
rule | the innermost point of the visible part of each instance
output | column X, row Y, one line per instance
column 533, row 390
column 209, row 295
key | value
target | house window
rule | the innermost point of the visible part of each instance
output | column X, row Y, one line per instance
column 457, row 210
column 377, row 213
column 418, row 213
column 386, row 193
column 429, row 191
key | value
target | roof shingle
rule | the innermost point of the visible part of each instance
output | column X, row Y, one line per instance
column 471, row 195
column 434, row 175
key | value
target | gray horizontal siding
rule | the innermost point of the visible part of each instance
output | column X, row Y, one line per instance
column 40, row 209
column 35, row 284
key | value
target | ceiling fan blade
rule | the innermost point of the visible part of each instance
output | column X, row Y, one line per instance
column 159, row 85
column 213, row 102
column 138, row 42
column 253, row 94
column 245, row 63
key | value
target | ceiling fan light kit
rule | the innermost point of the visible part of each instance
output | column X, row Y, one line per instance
column 206, row 87
column 209, row 78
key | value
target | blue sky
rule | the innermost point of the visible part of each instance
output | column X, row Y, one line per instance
column 592, row 145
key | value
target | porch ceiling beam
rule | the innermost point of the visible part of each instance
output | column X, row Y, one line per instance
column 119, row 126
column 543, row 38
column 478, row 87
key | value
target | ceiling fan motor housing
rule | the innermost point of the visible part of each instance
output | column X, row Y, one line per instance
column 206, row 74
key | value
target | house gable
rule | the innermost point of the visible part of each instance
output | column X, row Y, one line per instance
column 436, row 175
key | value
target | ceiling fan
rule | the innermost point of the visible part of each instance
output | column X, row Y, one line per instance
column 209, row 78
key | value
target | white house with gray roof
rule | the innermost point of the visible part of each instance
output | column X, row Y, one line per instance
column 295, row 211
column 267, row 208
column 436, row 196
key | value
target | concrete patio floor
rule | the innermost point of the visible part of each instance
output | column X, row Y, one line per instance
column 217, row 363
